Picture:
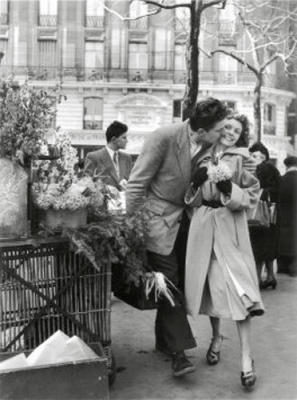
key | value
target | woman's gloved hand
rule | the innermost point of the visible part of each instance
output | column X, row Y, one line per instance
column 225, row 187
column 199, row 177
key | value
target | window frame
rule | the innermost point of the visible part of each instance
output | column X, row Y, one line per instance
column 269, row 126
column 93, row 123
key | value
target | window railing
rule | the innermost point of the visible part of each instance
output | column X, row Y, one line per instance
column 48, row 20
column 138, row 24
column 91, row 124
column 93, row 21
column 142, row 76
column 3, row 19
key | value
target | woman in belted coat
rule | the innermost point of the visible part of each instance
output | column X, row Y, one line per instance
column 221, row 279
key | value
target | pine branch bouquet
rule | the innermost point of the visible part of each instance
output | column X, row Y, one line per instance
column 120, row 239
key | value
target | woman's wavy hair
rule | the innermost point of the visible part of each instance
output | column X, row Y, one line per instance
column 243, row 140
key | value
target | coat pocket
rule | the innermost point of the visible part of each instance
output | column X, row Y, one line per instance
column 155, row 207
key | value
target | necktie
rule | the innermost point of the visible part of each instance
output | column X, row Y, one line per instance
column 116, row 161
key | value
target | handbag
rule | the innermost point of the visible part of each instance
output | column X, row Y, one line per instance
column 264, row 214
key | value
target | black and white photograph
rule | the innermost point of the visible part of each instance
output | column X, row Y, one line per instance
column 148, row 199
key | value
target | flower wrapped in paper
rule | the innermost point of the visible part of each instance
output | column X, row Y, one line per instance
column 218, row 170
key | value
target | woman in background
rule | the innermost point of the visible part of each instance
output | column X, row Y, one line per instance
column 265, row 239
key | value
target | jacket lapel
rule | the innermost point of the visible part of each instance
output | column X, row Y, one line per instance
column 109, row 165
column 122, row 165
column 182, row 150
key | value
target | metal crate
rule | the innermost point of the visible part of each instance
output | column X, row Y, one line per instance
column 44, row 286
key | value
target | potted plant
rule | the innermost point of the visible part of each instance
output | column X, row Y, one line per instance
column 59, row 189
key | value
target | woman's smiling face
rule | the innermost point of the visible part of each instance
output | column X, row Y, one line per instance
column 231, row 133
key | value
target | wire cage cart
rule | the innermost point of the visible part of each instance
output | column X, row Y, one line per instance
column 44, row 286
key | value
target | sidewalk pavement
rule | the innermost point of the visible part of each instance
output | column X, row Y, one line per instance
column 144, row 373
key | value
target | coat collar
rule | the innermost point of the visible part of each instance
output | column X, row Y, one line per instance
column 240, row 151
column 183, row 152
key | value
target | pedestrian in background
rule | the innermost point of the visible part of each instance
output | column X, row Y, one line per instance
column 288, row 218
column 111, row 164
column 264, row 238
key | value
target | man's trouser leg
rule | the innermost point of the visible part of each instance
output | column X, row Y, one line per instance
column 172, row 329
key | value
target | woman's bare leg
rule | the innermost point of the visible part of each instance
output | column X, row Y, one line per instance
column 216, row 333
column 244, row 331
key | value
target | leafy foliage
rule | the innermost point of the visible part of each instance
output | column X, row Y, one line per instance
column 25, row 116
column 115, row 238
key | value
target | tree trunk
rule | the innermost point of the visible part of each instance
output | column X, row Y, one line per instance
column 192, row 60
column 257, row 108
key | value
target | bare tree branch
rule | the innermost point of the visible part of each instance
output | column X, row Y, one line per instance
column 167, row 7
column 122, row 18
column 213, row 3
column 240, row 60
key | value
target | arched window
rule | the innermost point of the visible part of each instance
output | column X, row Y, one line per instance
column 269, row 119
column 3, row 49
column 93, row 113
column 136, row 9
column 94, row 54
column 4, row 12
column 95, row 13
column 48, row 11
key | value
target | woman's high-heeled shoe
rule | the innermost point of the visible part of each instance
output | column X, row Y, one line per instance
column 268, row 283
column 248, row 379
column 213, row 357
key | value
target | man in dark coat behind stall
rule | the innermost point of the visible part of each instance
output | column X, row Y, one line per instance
column 288, row 218
column 110, row 164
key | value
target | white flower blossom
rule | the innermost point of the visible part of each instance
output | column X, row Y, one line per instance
column 218, row 172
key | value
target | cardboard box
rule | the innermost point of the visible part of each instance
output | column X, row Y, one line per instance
column 84, row 380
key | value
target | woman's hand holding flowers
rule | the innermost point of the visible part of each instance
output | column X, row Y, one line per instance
column 225, row 187
column 199, row 177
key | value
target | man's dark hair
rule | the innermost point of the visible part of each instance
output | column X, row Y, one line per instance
column 207, row 113
column 115, row 129
column 290, row 161
column 258, row 146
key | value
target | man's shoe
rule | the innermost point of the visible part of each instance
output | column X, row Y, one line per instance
column 181, row 365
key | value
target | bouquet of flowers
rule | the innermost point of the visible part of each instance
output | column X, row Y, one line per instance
column 59, row 186
column 218, row 170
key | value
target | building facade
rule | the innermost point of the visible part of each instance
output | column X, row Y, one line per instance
column 133, row 71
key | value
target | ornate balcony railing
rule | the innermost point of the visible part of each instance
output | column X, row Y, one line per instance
column 142, row 76
column 94, row 21
column 48, row 20
column 3, row 19
column 138, row 24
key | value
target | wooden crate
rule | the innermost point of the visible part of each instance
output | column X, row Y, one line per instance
column 85, row 380
column 44, row 287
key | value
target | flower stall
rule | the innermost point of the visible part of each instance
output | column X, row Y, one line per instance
column 44, row 284
column 59, row 275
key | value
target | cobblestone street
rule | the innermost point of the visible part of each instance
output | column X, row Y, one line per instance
column 145, row 374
